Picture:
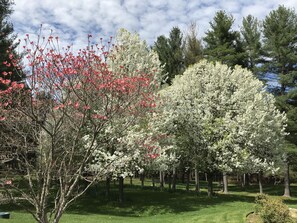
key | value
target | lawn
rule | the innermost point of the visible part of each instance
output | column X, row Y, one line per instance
column 150, row 205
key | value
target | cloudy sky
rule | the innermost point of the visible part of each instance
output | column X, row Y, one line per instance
column 73, row 20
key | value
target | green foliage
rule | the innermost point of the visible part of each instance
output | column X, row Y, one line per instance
column 193, row 50
column 251, row 42
column 170, row 51
column 7, row 46
column 272, row 210
column 279, row 30
column 222, row 43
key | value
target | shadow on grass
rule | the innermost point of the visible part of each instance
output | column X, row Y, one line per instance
column 148, row 202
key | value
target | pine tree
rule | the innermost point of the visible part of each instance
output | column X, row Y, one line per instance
column 7, row 45
column 222, row 43
column 251, row 34
column 170, row 51
column 280, row 41
column 193, row 51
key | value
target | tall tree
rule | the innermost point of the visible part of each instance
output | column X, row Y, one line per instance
column 280, row 45
column 84, row 98
column 222, row 43
column 170, row 51
column 251, row 34
column 223, row 117
column 8, row 69
column 193, row 51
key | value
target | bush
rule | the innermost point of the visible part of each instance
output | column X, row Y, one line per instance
column 272, row 210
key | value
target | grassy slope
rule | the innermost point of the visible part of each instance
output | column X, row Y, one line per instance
column 153, row 206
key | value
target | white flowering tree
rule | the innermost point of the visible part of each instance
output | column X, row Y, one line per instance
column 127, row 151
column 222, row 117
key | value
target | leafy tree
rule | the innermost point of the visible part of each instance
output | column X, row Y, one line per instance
column 130, row 57
column 222, row 43
column 280, row 41
column 193, row 51
column 170, row 51
column 223, row 117
column 83, row 98
column 251, row 34
column 8, row 69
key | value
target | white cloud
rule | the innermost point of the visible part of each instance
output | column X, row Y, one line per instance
column 72, row 20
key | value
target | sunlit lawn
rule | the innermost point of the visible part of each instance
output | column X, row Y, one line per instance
column 150, row 205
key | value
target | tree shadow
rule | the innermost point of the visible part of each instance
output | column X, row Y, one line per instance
column 148, row 202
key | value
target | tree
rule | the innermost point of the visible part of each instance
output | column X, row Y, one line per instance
column 170, row 51
column 70, row 101
column 193, row 51
column 279, row 29
column 251, row 34
column 7, row 46
column 222, row 117
column 131, row 57
column 223, row 44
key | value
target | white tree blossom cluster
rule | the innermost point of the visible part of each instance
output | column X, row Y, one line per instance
column 141, row 145
column 223, row 118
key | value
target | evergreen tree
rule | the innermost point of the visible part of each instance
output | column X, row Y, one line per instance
column 193, row 51
column 251, row 34
column 222, row 43
column 170, row 51
column 280, row 45
column 7, row 46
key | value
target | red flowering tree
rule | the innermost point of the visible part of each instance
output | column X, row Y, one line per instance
column 57, row 117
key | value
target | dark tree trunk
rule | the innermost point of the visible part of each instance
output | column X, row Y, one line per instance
column 161, row 180
column 287, row 192
column 131, row 180
column 142, row 180
column 260, row 176
column 121, row 189
column 107, row 184
column 209, row 184
column 153, row 180
column 225, row 182
column 197, row 181
column 188, row 180
column 169, row 181
column 243, row 180
column 174, row 179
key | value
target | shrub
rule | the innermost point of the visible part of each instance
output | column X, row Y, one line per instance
column 272, row 210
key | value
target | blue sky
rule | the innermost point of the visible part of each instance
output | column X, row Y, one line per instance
column 73, row 20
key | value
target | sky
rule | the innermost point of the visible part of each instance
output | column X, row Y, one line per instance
column 73, row 20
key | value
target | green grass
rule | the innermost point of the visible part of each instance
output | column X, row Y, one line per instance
column 150, row 205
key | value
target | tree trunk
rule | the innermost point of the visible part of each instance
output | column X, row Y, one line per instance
column 161, row 180
column 174, row 179
column 142, row 180
column 243, row 180
column 206, row 177
column 188, row 180
column 260, row 182
column 287, row 192
column 169, row 181
column 197, row 181
column 225, row 182
column 121, row 189
column 107, row 184
column 209, row 184
column 42, row 217
column 131, row 180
